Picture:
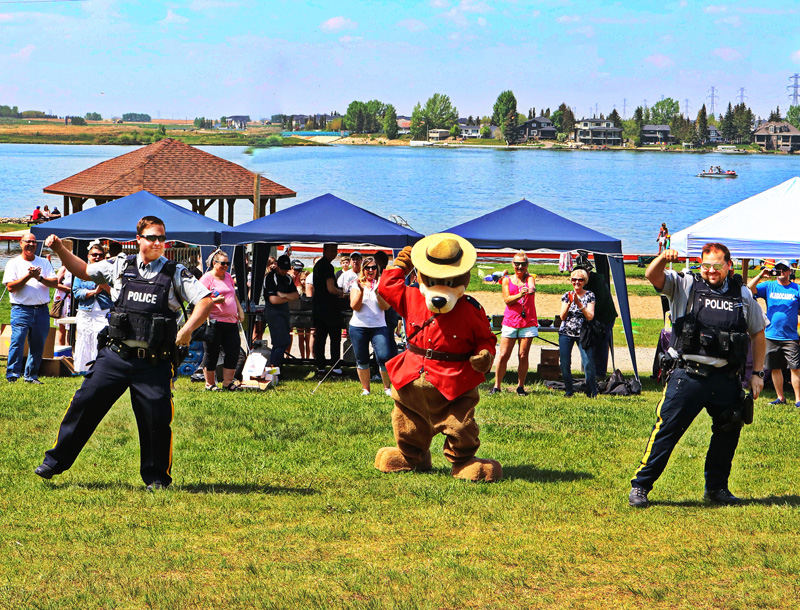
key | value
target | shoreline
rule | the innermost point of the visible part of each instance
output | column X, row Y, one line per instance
column 142, row 134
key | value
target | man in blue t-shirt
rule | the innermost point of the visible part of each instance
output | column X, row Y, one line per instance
column 783, row 348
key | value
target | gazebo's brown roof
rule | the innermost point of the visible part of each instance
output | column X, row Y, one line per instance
column 169, row 169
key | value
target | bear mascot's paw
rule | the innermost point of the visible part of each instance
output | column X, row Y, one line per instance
column 403, row 261
column 482, row 361
column 390, row 459
column 477, row 469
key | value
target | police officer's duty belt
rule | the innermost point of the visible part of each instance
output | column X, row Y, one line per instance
column 432, row 354
column 126, row 352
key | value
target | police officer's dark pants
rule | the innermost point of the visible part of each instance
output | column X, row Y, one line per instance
column 151, row 398
column 326, row 327
column 684, row 397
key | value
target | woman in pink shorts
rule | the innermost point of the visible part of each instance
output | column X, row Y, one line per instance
column 519, row 321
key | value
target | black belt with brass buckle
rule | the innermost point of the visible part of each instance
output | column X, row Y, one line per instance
column 126, row 351
column 432, row 354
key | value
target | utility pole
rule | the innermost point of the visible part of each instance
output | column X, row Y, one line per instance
column 624, row 108
column 686, row 108
column 794, row 88
column 712, row 98
column 742, row 96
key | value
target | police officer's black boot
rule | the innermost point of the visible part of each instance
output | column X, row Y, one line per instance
column 721, row 497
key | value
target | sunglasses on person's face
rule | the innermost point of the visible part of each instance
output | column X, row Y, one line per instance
column 96, row 254
column 28, row 241
column 223, row 263
column 522, row 264
column 371, row 267
column 714, row 266
column 154, row 238
column 577, row 280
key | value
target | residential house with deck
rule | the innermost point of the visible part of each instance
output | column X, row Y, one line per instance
column 778, row 136
column 597, row 132
column 656, row 134
column 539, row 128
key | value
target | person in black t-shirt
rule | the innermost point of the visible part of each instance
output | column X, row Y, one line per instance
column 279, row 289
column 326, row 310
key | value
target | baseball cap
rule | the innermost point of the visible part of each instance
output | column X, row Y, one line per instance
column 297, row 265
column 284, row 262
column 783, row 262
column 356, row 254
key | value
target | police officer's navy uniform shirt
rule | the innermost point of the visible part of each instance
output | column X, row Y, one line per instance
column 782, row 306
column 183, row 282
column 679, row 289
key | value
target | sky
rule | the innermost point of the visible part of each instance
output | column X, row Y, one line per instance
column 177, row 60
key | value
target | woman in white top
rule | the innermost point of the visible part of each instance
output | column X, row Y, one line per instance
column 368, row 325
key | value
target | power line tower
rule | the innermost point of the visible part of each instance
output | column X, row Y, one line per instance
column 596, row 114
column 624, row 108
column 712, row 98
column 794, row 88
column 645, row 104
column 742, row 96
column 686, row 108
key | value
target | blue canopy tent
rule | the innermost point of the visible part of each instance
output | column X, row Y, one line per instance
column 323, row 219
column 117, row 220
column 527, row 226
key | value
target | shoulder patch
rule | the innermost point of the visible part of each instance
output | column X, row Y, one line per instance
column 185, row 273
column 473, row 301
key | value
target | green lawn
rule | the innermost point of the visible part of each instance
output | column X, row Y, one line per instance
column 276, row 504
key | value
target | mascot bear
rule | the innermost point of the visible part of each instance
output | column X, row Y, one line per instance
column 450, row 348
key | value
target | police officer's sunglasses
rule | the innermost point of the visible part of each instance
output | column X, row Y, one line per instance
column 714, row 266
column 154, row 238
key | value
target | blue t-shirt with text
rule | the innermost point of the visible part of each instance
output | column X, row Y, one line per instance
column 782, row 307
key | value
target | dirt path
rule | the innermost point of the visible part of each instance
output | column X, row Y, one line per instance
column 548, row 305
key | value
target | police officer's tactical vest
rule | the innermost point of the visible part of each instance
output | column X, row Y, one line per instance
column 714, row 324
column 141, row 311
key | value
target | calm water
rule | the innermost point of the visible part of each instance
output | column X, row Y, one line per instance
column 623, row 194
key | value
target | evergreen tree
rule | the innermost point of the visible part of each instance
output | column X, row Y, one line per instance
column 638, row 125
column 508, row 127
column 568, row 121
column 726, row 127
column 547, row 113
column 418, row 127
column 614, row 116
column 775, row 115
column 742, row 123
column 647, row 116
column 702, row 124
column 530, row 113
column 390, row 122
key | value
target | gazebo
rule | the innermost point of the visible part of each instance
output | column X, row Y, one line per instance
column 172, row 170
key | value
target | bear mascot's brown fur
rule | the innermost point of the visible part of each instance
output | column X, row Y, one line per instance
column 450, row 348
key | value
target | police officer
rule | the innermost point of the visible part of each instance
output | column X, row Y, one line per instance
column 713, row 315
column 137, row 353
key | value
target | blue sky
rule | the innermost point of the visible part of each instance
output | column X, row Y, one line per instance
column 217, row 57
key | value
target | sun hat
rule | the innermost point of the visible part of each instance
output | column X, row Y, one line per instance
column 443, row 255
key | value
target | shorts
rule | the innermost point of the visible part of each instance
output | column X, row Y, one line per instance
column 509, row 332
column 782, row 354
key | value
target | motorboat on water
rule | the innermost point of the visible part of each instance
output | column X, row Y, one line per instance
column 717, row 172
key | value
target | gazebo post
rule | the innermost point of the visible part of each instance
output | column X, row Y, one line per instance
column 231, row 202
column 66, row 205
column 273, row 205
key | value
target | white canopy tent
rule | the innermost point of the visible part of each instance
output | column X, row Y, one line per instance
column 766, row 225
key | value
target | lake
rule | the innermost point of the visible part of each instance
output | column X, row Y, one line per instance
column 623, row 194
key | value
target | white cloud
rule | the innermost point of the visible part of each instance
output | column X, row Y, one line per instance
column 585, row 30
column 660, row 61
column 535, row 14
column 458, row 13
column 440, row 3
column 6, row 17
column 348, row 39
column 569, row 19
column 337, row 24
column 796, row 57
column 482, row 21
column 173, row 18
column 727, row 54
column 204, row 5
column 733, row 20
column 412, row 25
column 714, row 9
column 24, row 53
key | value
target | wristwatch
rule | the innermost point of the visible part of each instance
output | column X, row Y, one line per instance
column 761, row 374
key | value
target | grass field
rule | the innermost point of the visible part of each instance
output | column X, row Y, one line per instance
column 276, row 504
